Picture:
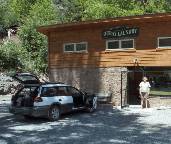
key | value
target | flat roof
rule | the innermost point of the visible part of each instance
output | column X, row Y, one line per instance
column 101, row 22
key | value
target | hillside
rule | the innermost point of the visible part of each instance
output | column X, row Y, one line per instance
column 27, row 50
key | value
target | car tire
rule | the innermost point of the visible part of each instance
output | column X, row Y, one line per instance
column 53, row 113
column 93, row 105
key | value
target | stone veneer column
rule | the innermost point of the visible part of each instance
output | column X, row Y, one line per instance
column 94, row 80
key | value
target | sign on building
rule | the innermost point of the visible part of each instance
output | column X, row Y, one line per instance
column 120, row 32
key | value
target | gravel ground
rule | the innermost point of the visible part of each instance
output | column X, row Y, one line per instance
column 107, row 125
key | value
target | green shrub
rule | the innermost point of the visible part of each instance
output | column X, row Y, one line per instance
column 11, row 56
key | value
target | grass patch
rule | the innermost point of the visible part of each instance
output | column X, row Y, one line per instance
column 160, row 92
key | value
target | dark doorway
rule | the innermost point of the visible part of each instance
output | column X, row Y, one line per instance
column 134, row 78
column 159, row 78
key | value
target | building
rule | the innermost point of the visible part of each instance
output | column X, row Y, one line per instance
column 110, row 55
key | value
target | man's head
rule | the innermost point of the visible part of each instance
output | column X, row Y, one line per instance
column 145, row 79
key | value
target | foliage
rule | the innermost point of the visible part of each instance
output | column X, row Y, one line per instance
column 4, row 16
column 3, row 9
column 12, row 56
column 78, row 10
column 29, row 14
column 17, row 11
column 42, row 13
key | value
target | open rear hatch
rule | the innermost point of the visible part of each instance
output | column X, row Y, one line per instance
column 27, row 91
column 25, row 97
column 26, row 78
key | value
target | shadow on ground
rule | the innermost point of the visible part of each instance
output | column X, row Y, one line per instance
column 105, row 126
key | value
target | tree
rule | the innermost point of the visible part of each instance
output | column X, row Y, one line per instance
column 70, row 10
column 102, row 9
column 41, row 13
column 11, row 56
column 18, row 11
column 79, row 10
column 29, row 14
column 4, row 21
column 167, row 5
column 154, row 6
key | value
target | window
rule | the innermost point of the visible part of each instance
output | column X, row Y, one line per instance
column 27, row 91
column 62, row 91
column 75, row 47
column 81, row 46
column 164, row 42
column 54, row 91
column 69, row 47
column 127, row 43
column 48, row 92
column 119, row 44
column 113, row 45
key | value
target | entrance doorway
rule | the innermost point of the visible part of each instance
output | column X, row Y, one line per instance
column 159, row 78
column 134, row 77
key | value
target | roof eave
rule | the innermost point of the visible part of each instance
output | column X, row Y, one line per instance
column 140, row 18
column 42, row 30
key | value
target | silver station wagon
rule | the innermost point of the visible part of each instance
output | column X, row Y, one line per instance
column 49, row 100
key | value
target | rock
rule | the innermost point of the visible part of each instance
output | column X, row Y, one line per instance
column 7, row 84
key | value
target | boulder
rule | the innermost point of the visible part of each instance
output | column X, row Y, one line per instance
column 7, row 84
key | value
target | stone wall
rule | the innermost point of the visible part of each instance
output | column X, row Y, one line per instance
column 157, row 101
column 124, row 88
column 93, row 80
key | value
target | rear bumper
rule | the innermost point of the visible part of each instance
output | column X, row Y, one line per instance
column 31, row 111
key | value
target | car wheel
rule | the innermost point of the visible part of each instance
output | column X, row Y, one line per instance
column 93, row 105
column 54, row 113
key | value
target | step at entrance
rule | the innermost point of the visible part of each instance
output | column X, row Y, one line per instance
column 134, row 106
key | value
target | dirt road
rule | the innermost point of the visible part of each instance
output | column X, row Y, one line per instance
column 107, row 125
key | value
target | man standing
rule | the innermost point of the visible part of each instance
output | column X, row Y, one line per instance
column 144, row 92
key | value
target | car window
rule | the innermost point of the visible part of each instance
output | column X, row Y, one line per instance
column 27, row 77
column 48, row 92
column 26, row 91
column 62, row 91
column 35, row 91
column 54, row 91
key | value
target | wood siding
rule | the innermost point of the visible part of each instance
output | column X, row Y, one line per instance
column 146, row 51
